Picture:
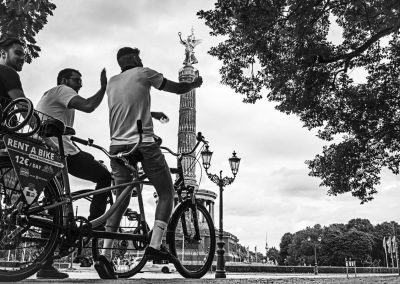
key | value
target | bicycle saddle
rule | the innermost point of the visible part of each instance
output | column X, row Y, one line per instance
column 52, row 127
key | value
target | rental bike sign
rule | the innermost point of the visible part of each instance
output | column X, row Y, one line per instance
column 34, row 165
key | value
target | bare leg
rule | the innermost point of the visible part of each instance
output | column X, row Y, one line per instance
column 113, row 222
column 164, row 208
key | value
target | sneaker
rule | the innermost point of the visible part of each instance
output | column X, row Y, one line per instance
column 51, row 273
column 104, row 268
column 161, row 254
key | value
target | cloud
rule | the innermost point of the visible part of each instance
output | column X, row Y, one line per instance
column 305, row 186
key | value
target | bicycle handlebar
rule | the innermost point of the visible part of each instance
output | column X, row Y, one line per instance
column 199, row 138
column 88, row 142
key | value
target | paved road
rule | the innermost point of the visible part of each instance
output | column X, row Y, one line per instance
column 89, row 275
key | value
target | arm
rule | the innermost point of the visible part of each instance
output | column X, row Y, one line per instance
column 181, row 87
column 90, row 104
column 15, row 90
column 12, row 83
column 159, row 115
column 180, row 38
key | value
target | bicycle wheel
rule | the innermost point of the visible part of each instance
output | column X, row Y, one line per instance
column 24, row 247
column 194, row 250
column 126, row 254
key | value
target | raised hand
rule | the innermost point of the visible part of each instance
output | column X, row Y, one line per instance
column 162, row 117
column 103, row 78
column 198, row 81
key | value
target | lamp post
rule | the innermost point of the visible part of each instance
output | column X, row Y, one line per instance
column 221, row 182
column 315, row 252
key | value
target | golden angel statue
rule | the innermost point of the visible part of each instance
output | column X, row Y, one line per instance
column 190, row 43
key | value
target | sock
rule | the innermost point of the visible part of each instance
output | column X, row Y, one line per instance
column 106, row 251
column 158, row 232
column 108, row 243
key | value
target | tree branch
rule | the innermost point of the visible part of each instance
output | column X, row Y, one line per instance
column 363, row 47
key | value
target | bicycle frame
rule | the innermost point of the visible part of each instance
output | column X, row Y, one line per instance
column 31, row 217
column 126, row 193
column 68, row 203
column 67, row 198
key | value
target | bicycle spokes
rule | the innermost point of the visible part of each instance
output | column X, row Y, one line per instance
column 25, row 240
column 190, row 225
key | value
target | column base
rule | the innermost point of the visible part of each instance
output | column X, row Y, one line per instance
column 220, row 271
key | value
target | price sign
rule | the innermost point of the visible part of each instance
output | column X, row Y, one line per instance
column 34, row 165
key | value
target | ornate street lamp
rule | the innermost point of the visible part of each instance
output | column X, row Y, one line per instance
column 234, row 163
column 315, row 252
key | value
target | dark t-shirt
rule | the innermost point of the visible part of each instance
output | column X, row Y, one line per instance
column 9, row 80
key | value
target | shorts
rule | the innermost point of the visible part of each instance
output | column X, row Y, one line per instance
column 153, row 162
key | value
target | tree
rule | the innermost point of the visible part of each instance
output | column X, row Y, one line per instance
column 358, row 240
column 382, row 230
column 284, row 47
column 24, row 19
column 301, row 250
column 332, row 252
column 363, row 225
column 273, row 254
column 354, row 240
column 358, row 245
column 284, row 247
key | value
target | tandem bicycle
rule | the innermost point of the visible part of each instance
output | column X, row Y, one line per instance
column 37, row 220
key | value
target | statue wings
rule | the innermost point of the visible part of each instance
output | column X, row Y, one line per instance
column 196, row 42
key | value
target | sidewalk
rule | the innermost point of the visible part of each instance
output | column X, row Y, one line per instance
column 89, row 275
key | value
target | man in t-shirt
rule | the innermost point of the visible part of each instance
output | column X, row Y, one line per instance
column 129, row 100
column 61, row 102
column 12, row 58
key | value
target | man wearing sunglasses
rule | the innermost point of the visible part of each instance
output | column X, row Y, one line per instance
column 61, row 102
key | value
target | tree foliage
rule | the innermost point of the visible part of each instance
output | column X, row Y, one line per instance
column 273, row 254
column 284, row 247
column 286, row 48
column 24, row 19
column 358, row 240
column 363, row 225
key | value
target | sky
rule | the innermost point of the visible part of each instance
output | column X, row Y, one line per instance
column 272, row 193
